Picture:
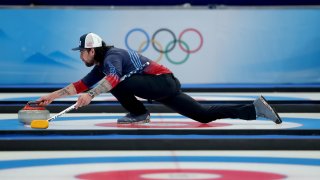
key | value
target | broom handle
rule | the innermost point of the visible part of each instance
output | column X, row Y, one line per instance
column 62, row 112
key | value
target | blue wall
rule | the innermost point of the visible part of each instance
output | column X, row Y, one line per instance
column 159, row 2
column 279, row 46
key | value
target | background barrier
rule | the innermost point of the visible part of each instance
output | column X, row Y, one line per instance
column 202, row 46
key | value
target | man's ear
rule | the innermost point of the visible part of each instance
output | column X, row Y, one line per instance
column 92, row 51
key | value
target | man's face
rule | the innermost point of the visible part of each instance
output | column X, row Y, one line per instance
column 87, row 57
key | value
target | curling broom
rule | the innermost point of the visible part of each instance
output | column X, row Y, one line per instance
column 44, row 124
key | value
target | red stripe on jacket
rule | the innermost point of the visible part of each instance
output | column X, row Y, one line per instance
column 80, row 86
column 113, row 79
column 156, row 69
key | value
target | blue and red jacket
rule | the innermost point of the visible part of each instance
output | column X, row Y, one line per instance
column 117, row 63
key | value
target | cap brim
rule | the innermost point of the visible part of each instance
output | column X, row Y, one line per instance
column 77, row 49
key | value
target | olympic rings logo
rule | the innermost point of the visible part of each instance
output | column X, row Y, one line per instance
column 170, row 46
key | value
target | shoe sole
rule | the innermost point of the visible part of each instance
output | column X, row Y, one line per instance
column 138, row 122
column 264, row 101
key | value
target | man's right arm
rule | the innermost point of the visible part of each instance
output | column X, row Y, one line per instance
column 75, row 88
column 69, row 90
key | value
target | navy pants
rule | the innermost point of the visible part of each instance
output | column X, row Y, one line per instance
column 166, row 89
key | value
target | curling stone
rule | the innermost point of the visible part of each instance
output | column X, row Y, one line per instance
column 31, row 112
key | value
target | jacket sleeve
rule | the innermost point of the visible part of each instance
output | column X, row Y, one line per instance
column 89, row 80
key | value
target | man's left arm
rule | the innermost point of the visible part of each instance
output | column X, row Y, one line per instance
column 112, row 70
column 103, row 86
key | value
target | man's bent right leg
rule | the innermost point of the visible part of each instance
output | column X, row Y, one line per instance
column 128, row 100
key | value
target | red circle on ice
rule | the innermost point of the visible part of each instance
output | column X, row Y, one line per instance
column 165, row 124
column 179, row 174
